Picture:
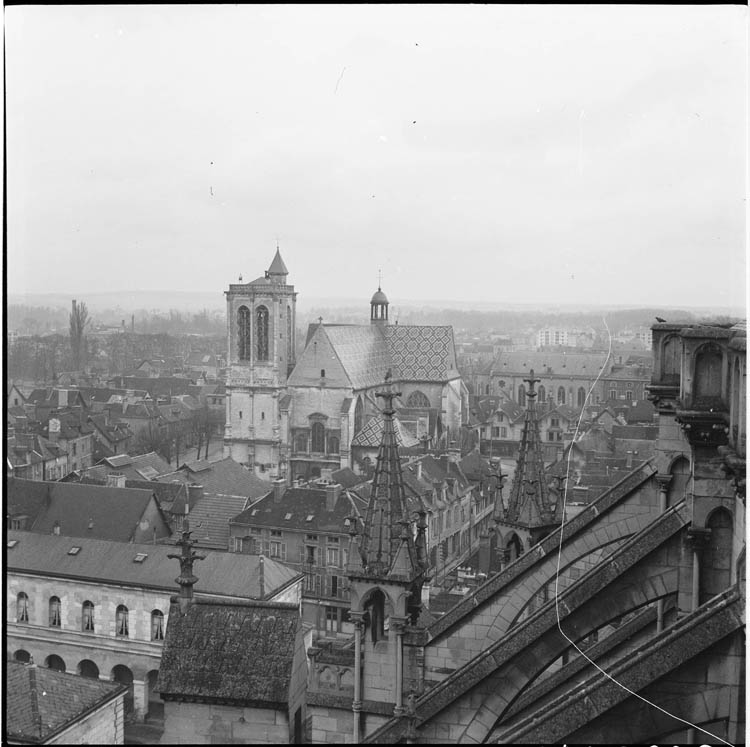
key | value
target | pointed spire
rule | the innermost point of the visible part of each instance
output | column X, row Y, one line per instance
column 388, row 547
column 529, row 500
column 277, row 266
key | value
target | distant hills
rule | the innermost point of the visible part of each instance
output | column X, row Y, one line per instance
column 130, row 301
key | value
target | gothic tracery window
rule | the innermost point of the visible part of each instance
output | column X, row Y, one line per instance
column 244, row 332
column 417, row 399
column 318, row 438
column 261, row 332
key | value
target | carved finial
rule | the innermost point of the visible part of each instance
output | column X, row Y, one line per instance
column 379, row 278
column 240, row 278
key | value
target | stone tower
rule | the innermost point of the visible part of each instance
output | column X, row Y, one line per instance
column 386, row 571
column 261, row 318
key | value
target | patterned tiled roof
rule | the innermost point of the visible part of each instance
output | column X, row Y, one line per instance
column 363, row 353
column 372, row 434
column 239, row 653
column 422, row 353
column 40, row 702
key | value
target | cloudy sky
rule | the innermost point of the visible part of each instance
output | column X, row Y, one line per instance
column 479, row 153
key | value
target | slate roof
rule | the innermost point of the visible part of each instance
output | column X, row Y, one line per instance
column 475, row 466
column 372, row 434
column 140, row 467
column 114, row 511
column 223, row 477
column 209, row 519
column 221, row 573
column 277, row 265
column 545, row 364
column 40, row 702
column 299, row 504
column 347, row 478
column 238, row 653
column 166, row 492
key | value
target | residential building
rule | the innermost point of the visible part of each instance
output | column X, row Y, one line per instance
column 78, row 510
column 44, row 706
column 101, row 608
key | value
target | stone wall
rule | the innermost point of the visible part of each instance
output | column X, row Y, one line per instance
column 202, row 723
column 103, row 726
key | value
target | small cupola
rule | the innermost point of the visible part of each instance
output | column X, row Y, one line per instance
column 379, row 308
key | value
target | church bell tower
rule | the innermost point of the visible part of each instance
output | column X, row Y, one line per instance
column 261, row 317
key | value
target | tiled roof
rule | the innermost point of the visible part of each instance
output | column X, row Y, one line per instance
column 209, row 519
column 363, row 352
column 306, row 509
column 240, row 653
column 372, row 433
column 225, row 477
column 115, row 512
column 545, row 364
column 422, row 353
column 40, row 702
column 221, row 573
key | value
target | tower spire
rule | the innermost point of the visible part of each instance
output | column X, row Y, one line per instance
column 529, row 502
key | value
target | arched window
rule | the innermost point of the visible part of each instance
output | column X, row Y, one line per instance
column 261, row 332
column 359, row 411
column 22, row 607
column 22, row 655
column 87, row 619
column 318, row 438
column 561, row 395
column 121, row 622
column 87, row 668
column 707, row 380
column 301, row 442
column 244, row 333
column 581, row 396
column 54, row 612
column 522, row 396
column 417, row 399
column 333, row 445
column 157, row 625
column 55, row 662
column 542, row 395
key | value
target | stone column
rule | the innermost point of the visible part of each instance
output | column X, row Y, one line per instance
column 662, row 482
column 140, row 699
column 398, row 625
column 357, row 619
column 697, row 539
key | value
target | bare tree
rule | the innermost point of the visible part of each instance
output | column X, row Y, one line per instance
column 79, row 319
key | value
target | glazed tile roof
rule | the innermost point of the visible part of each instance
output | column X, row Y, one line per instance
column 412, row 352
column 372, row 433
column 40, row 702
column 237, row 653
column 221, row 573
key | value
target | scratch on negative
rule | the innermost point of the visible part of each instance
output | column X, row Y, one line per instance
column 339, row 81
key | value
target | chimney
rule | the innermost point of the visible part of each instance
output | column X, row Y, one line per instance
column 115, row 480
column 91, row 525
column 326, row 474
column 332, row 496
column 629, row 462
column 62, row 397
column 195, row 493
column 56, row 528
column 419, row 469
column 261, row 577
column 279, row 488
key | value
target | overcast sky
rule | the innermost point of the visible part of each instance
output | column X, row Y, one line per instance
column 524, row 154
